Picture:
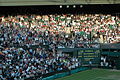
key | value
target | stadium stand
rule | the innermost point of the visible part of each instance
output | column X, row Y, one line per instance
column 47, row 33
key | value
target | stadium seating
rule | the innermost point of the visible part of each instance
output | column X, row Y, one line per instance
column 48, row 33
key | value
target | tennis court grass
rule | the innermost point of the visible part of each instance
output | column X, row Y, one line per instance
column 94, row 74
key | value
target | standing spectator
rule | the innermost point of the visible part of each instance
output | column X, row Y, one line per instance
column 90, row 64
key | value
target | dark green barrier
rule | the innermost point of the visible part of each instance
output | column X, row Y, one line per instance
column 111, row 53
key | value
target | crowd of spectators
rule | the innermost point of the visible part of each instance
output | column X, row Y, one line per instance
column 59, row 30
column 20, row 64
column 108, row 62
column 54, row 31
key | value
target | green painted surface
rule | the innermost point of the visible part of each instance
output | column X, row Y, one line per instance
column 94, row 74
